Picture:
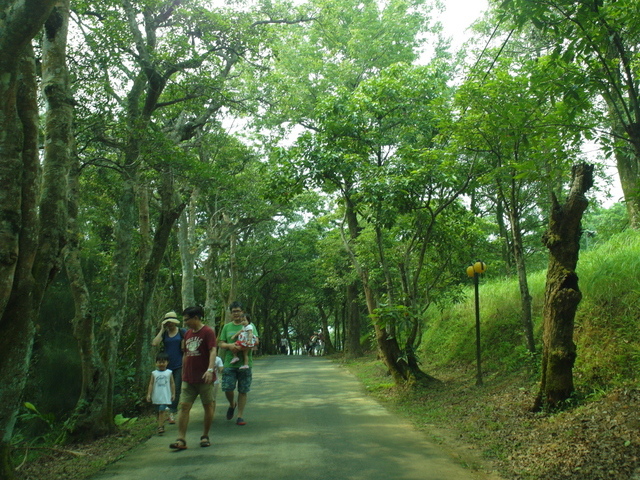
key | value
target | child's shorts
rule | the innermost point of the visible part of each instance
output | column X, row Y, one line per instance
column 162, row 408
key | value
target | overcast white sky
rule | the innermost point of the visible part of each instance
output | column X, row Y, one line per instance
column 458, row 16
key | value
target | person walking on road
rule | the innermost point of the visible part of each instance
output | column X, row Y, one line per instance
column 162, row 389
column 198, row 375
column 246, row 340
column 233, row 376
column 170, row 337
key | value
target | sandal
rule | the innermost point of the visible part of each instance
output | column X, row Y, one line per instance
column 179, row 444
column 204, row 441
column 160, row 429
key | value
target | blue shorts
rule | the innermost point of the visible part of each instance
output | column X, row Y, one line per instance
column 162, row 408
column 235, row 376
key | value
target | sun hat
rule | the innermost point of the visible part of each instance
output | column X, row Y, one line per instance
column 170, row 317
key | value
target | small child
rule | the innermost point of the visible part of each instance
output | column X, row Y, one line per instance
column 162, row 389
column 219, row 367
column 246, row 340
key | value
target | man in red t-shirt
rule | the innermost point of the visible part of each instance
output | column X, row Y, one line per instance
column 198, row 374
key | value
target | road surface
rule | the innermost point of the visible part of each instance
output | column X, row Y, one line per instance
column 307, row 419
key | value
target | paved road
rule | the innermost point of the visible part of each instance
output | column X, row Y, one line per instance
column 307, row 419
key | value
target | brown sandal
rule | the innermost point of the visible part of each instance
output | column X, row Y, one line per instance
column 204, row 441
column 161, row 430
column 179, row 444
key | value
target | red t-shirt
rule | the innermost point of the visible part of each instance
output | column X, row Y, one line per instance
column 197, row 350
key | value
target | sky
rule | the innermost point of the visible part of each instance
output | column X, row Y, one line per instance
column 458, row 16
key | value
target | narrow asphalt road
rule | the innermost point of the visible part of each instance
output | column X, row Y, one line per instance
column 307, row 419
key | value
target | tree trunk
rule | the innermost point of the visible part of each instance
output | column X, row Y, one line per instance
column 18, row 240
column 89, row 417
column 20, row 231
column 324, row 318
column 58, row 143
column 562, row 294
column 628, row 165
column 171, row 207
column 526, row 318
column 353, row 348
column 118, row 292
column 188, row 252
column 520, row 263
column 506, row 250
column 21, row 22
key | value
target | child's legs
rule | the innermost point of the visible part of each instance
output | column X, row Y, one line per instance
column 245, row 355
column 216, row 387
column 162, row 414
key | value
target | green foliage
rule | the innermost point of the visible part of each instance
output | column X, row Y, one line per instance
column 121, row 420
column 600, row 224
column 386, row 315
column 37, row 428
column 34, row 413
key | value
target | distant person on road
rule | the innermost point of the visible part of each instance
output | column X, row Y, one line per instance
column 162, row 389
column 233, row 376
column 284, row 346
column 246, row 340
column 198, row 375
column 171, row 337
column 313, row 342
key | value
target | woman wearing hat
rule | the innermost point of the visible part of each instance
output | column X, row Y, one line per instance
column 171, row 337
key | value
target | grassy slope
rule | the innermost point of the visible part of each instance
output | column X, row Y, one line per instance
column 596, row 437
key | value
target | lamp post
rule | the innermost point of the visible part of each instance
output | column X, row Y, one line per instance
column 474, row 271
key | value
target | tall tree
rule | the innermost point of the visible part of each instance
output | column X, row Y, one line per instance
column 392, row 120
column 510, row 117
column 562, row 293
column 318, row 67
column 33, row 202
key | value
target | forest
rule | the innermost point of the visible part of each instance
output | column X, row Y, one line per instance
column 333, row 165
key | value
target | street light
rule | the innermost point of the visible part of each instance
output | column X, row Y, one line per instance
column 474, row 271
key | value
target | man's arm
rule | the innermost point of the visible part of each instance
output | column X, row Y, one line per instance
column 227, row 346
column 209, row 375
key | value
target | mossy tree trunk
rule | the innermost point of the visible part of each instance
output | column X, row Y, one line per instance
column 32, row 199
column 324, row 318
column 562, row 294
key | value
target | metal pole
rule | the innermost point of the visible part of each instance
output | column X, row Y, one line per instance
column 479, row 373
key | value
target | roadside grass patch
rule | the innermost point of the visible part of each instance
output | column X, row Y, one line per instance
column 81, row 461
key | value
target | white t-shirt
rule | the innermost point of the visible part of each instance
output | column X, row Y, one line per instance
column 161, row 394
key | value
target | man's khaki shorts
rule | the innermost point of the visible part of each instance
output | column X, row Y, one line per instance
column 190, row 392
